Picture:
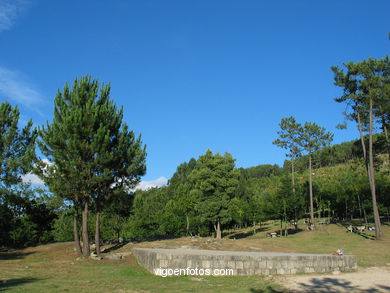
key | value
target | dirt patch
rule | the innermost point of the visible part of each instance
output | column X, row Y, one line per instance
column 374, row 279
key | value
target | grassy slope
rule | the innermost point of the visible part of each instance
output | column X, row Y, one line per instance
column 327, row 239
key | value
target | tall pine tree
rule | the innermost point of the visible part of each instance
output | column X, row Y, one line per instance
column 91, row 151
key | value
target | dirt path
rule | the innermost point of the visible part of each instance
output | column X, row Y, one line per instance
column 374, row 279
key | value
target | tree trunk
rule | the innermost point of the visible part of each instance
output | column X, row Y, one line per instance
column 365, row 216
column 360, row 207
column 97, row 233
column 188, row 225
column 281, row 227
column 217, row 229
column 285, row 221
column 385, row 131
column 362, row 141
column 292, row 175
column 76, row 234
column 295, row 220
column 86, row 251
column 378, row 232
column 311, row 194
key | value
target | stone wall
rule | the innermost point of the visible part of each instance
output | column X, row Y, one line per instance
column 242, row 262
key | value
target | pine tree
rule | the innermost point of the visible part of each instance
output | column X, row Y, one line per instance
column 90, row 150
column 312, row 138
column 366, row 90
column 215, row 181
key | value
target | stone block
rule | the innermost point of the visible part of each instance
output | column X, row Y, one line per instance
column 239, row 265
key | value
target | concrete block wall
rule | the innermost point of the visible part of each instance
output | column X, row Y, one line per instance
column 243, row 262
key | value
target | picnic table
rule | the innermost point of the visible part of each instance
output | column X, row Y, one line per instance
column 356, row 229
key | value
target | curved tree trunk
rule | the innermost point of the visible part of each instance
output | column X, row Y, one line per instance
column 218, row 232
column 378, row 232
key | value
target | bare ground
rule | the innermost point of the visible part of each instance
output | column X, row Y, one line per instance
column 373, row 279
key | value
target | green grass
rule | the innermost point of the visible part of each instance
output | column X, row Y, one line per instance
column 59, row 271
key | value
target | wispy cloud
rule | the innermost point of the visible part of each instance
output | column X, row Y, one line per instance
column 10, row 10
column 145, row 185
column 13, row 86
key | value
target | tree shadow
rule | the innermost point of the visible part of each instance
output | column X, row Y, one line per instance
column 8, row 284
column 246, row 234
column 345, row 225
column 366, row 236
column 115, row 247
column 9, row 255
column 268, row 289
column 292, row 231
column 331, row 285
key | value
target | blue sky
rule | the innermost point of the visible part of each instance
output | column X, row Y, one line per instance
column 192, row 75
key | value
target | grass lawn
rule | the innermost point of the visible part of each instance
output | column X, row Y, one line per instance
column 54, row 268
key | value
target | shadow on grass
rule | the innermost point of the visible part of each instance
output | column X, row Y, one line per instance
column 9, row 255
column 331, row 285
column 8, row 284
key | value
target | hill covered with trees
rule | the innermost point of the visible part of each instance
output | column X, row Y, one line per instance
column 92, row 163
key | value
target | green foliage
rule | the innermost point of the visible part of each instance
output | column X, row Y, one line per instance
column 216, row 180
column 312, row 137
column 63, row 226
column 24, row 220
column 261, row 171
column 89, row 147
column 289, row 137
column 17, row 146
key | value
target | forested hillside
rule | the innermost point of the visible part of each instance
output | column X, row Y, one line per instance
column 264, row 192
column 93, row 162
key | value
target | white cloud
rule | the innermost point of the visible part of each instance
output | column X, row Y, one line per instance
column 14, row 87
column 145, row 185
column 33, row 179
column 10, row 10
